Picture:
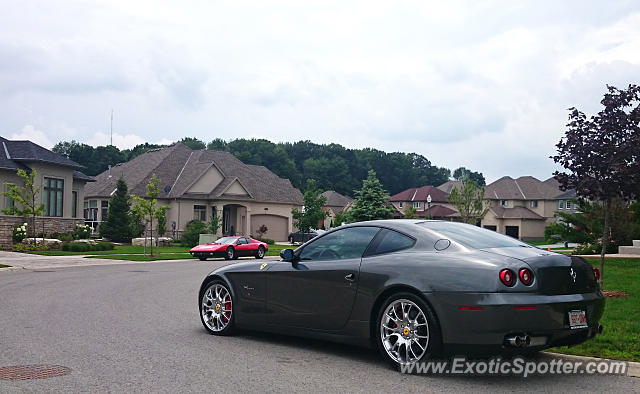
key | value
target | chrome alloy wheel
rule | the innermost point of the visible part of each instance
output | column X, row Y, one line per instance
column 230, row 253
column 260, row 252
column 404, row 331
column 216, row 307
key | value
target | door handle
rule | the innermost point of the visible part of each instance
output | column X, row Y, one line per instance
column 350, row 277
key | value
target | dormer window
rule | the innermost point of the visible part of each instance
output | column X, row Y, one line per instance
column 504, row 203
column 417, row 204
column 533, row 203
column 560, row 204
column 400, row 205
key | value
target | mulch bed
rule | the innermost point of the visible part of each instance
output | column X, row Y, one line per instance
column 616, row 294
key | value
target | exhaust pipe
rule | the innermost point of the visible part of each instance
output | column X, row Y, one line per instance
column 518, row 340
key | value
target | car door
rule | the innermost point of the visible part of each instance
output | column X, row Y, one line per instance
column 242, row 247
column 319, row 291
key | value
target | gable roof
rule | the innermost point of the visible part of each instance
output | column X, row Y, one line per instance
column 420, row 194
column 336, row 200
column 15, row 155
column 523, row 188
column 178, row 167
column 449, row 185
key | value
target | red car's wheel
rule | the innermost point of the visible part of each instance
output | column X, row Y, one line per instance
column 230, row 254
column 260, row 252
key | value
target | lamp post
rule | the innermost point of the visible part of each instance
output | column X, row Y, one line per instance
column 429, row 206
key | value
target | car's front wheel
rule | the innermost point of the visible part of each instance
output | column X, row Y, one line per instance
column 216, row 308
column 202, row 258
column 230, row 254
column 407, row 330
column 260, row 252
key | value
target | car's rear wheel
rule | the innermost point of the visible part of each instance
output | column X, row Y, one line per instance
column 216, row 308
column 260, row 252
column 230, row 254
column 406, row 330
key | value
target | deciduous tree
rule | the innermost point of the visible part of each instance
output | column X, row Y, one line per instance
column 148, row 208
column 469, row 201
column 312, row 212
column 24, row 198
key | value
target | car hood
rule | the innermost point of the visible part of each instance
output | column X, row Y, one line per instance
column 208, row 247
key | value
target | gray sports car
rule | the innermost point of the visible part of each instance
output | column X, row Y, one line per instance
column 413, row 289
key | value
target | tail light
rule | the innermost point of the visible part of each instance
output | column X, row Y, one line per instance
column 596, row 272
column 526, row 276
column 508, row 277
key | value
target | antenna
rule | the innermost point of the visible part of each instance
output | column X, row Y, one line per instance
column 111, row 141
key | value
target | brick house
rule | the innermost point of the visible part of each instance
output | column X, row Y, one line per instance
column 61, row 182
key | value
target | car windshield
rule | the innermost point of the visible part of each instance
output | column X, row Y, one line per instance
column 473, row 236
column 226, row 240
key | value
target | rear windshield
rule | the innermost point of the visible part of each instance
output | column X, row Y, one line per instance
column 472, row 236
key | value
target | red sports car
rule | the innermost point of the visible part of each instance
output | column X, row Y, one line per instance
column 231, row 248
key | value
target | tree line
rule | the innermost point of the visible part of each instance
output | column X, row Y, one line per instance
column 333, row 166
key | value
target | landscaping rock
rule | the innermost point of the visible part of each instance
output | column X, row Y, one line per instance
column 162, row 241
column 84, row 241
column 51, row 242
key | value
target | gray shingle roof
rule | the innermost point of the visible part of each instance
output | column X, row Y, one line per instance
column 15, row 155
column 515, row 213
column 178, row 167
column 523, row 188
column 449, row 185
column 336, row 200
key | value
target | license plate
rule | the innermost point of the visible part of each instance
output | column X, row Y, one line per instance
column 577, row 319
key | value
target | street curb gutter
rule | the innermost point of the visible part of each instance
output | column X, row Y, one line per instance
column 632, row 370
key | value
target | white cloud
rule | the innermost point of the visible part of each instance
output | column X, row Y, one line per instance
column 122, row 141
column 29, row 132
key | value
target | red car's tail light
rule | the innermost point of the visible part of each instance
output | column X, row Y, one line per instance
column 526, row 276
column 508, row 277
column 596, row 272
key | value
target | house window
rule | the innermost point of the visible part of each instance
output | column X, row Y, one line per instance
column 504, row 203
column 417, row 204
column 400, row 204
column 568, row 204
column 104, row 205
column 8, row 201
column 560, row 204
column 93, row 210
column 53, row 190
column 533, row 203
column 86, row 210
column 200, row 213
column 74, row 204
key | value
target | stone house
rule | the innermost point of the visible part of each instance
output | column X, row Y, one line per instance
column 61, row 182
column 197, row 184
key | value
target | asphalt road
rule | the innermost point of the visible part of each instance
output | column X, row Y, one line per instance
column 135, row 328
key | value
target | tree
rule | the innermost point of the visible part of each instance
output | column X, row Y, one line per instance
column 193, row 143
column 25, row 197
column 192, row 231
column 469, row 200
column 601, row 154
column 461, row 173
column 117, row 225
column 371, row 202
column 312, row 211
column 148, row 207
column 214, row 222
column 410, row 213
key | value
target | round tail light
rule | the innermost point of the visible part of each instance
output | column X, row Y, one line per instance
column 596, row 272
column 508, row 277
column 526, row 276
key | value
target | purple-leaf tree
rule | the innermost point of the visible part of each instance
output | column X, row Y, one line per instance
column 601, row 154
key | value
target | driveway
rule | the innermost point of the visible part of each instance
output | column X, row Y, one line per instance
column 135, row 328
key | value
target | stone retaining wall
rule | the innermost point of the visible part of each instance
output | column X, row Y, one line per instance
column 51, row 225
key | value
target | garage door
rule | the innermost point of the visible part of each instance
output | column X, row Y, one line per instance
column 277, row 226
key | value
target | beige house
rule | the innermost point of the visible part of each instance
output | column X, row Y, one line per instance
column 61, row 183
column 523, row 207
column 336, row 203
column 427, row 201
column 201, row 183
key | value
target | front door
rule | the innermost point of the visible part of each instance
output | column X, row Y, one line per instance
column 320, row 291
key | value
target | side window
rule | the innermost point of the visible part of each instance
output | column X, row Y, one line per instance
column 241, row 241
column 349, row 243
column 390, row 241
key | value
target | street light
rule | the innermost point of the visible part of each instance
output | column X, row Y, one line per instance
column 429, row 206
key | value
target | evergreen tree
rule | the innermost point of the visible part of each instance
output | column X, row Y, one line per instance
column 117, row 226
column 371, row 202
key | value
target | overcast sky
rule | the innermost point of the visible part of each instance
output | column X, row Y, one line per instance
column 483, row 85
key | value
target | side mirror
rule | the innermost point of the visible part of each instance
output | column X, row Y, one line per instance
column 287, row 255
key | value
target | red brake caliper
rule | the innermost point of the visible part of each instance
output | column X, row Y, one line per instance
column 227, row 308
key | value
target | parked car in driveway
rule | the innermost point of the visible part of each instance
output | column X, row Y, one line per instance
column 231, row 248
column 412, row 288
column 301, row 237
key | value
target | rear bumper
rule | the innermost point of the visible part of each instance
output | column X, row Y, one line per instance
column 493, row 316
column 202, row 253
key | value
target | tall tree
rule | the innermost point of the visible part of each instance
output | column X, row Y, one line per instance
column 461, row 173
column 117, row 225
column 312, row 212
column 601, row 154
column 469, row 200
column 25, row 197
column 371, row 202
column 193, row 143
column 148, row 207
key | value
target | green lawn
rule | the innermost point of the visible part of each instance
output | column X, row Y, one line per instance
column 621, row 320
column 141, row 257
column 119, row 249
column 4, row 266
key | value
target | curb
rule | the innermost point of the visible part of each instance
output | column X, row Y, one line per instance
column 633, row 368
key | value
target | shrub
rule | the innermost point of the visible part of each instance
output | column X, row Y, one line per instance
column 64, row 237
column 268, row 241
column 82, row 231
column 84, row 247
column 192, row 231
column 30, row 247
column 594, row 248
column 19, row 233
